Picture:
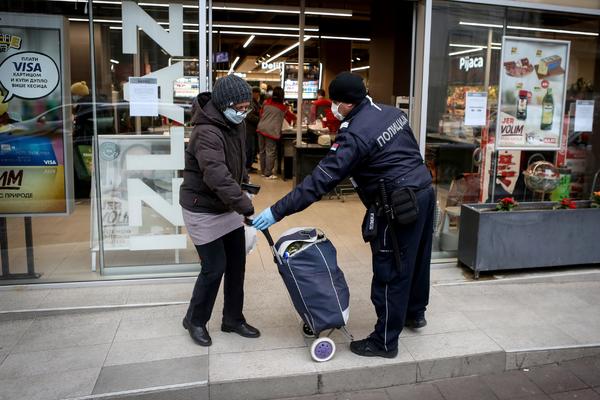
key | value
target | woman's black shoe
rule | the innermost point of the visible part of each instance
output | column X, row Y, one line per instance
column 199, row 334
column 243, row 329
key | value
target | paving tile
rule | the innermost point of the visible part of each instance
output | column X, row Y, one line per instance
column 441, row 323
column 51, row 386
column 270, row 339
column 159, row 293
column 469, row 388
column 423, row 391
column 154, row 312
column 154, row 349
column 347, row 371
column 586, row 394
column 177, row 393
column 265, row 388
column 175, row 371
column 139, row 329
column 86, row 296
column 477, row 364
column 53, row 361
column 525, row 359
column 586, row 369
column 511, row 384
column 260, row 364
column 449, row 345
column 586, row 332
column 19, row 299
column 77, row 319
column 554, row 379
column 36, row 339
column 512, row 317
column 364, row 395
column 529, row 337
column 11, row 332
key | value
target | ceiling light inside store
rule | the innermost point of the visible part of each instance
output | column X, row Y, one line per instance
column 250, row 39
column 272, row 70
column 525, row 28
column 236, row 7
column 466, row 51
column 282, row 9
column 360, row 68
column 346, row 38
column 481, row 24
column 266, row 27
column 114, row 61
column 292, row 47
column 233, row 65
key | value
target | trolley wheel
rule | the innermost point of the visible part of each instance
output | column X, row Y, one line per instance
column 322, row 349
column 307, row 332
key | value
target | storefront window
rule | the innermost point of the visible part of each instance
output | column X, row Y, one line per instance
column 470, row 161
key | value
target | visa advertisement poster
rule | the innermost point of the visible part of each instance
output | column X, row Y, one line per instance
column 32, row 147
column 533, row 80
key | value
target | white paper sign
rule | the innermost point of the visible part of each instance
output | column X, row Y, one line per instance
column 143, row 97
column 475, row 109
column 584, row 115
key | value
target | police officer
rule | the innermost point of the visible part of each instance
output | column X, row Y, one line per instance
column 376, row 146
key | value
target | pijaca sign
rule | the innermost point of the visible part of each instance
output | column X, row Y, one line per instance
column 467, row 63
column 134, row 19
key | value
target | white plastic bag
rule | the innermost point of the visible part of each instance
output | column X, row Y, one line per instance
column 250, row 238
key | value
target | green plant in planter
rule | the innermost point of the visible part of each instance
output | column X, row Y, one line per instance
column 506, row 204
column 565, row 204
column 596, row 200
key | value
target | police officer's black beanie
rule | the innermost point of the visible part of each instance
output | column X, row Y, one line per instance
column 347, row 88
column 230, row 90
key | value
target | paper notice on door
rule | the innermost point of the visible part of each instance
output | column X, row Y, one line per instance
column 475, row 109
column 143, row 97
column 584, row 115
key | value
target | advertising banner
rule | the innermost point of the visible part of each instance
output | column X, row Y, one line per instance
column 533, row 82
column 115, row 184
column 310, row 84
column 33, row 162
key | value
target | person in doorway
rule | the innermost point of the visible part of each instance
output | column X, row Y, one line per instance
column 251, row 123
column 377, row 147
column 214, row 205
column 269, row 131
column 320, row 110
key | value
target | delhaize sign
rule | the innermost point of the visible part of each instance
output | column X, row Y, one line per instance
column 533, row 80
column 34, row 167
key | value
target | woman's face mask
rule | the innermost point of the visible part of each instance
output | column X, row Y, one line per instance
column 335, row 110
column 236, row 117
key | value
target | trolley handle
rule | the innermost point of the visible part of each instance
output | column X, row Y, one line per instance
column 248, row 221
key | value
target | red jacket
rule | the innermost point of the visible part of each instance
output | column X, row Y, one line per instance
column 272, row 115
column 321, row 108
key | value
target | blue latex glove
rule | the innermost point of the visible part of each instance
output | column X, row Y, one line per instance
column 264, row 220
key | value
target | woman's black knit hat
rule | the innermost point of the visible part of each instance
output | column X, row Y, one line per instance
column 347, row 88
column 230, row 90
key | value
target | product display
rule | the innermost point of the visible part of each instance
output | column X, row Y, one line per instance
column 531, row 106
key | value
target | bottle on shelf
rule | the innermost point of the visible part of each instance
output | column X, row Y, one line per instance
column 547, row 111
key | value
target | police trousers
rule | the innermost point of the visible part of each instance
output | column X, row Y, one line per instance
column 398, row 294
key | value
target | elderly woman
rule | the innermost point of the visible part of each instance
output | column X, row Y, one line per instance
column 214, row 205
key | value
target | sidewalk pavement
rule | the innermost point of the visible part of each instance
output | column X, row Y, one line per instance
column 576, row 379
column 125, row 340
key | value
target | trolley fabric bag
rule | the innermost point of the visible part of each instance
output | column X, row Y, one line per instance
column 307, row 263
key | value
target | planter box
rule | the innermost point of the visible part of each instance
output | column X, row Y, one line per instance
column 531, row 236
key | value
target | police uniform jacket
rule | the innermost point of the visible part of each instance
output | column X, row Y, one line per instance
column 374, row 142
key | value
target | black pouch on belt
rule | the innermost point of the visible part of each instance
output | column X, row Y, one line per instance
column 369, row 225
column 405, row 206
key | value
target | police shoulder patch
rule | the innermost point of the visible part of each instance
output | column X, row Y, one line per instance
column 334, row 147
column 344, row 124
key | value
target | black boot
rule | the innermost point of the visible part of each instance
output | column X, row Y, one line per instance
column 415, row 323
column 367, row 348
column 199, row 334
column 243, row 329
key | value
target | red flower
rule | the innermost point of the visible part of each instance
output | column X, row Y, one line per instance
column 567, row 203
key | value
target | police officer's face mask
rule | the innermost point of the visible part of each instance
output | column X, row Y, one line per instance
column 335, row 110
